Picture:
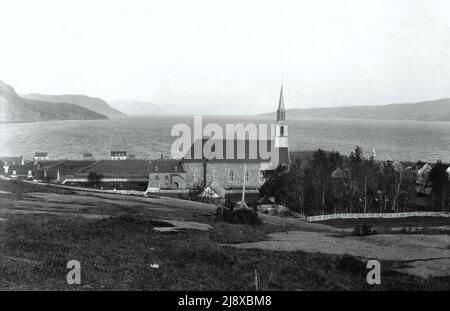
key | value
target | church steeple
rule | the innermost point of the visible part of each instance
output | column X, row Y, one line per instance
column 281, row 114
column 281, row 133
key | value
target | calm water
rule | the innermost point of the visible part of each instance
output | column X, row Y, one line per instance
column 150, row 136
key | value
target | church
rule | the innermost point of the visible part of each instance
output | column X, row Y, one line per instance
column 228, row 173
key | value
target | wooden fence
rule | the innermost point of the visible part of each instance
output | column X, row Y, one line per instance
column 376, row 215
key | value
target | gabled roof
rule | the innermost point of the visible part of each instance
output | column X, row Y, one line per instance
column 165, row 166
column 23, row 169
column 265, row 200
column 214, row 188
column 425, row 168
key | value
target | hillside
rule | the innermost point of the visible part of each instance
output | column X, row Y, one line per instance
column 136, row 107
column 435, row 110
column 94, row 104
column 14, row 108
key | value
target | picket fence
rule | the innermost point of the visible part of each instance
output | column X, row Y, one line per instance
column 376, row 215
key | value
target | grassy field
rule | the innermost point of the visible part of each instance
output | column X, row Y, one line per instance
column 117, row 252
column 389, row 222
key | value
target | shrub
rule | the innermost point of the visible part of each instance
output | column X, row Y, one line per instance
column 194, row 193
column 246, row 216
column 228, row 213
column 224, row 214
column 362, row 230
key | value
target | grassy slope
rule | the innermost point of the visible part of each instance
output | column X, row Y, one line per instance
column 116, row 254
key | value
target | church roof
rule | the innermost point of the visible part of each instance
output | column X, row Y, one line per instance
column 250, row 151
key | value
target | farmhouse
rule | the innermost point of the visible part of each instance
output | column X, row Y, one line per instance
column 26, row 171
column 234, row 162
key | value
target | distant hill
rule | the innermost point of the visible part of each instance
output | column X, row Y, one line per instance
column 136, row 107
column 435, row 110
column 14, row 108
column 95, row 104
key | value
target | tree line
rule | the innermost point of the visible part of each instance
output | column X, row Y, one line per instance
column 332, row 183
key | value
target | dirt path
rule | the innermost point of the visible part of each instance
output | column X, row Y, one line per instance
column 177, row 225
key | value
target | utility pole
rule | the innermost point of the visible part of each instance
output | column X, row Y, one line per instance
column 243, row 187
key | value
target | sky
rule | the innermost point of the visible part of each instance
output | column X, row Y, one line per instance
column 229, row 56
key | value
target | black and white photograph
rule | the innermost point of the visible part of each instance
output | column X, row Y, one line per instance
column 228, row 149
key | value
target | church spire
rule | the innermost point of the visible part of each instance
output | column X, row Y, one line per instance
column 281, row 114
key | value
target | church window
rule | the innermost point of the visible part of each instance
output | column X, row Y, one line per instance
column 231, row 176
column 197, row 175
column 282, row 131
column 216, row 175
column 156, row 169
column 246, row 176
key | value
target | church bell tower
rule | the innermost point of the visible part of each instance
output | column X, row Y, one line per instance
column 281, row 133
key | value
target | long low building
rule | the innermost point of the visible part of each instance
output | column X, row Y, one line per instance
column 111, row 174
column 125, row 174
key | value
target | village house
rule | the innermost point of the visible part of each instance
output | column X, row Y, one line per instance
column 88, row 156
column 6, row 162
column 118, row 155
column 41, row 156
column 228, row 173
column 27, row 171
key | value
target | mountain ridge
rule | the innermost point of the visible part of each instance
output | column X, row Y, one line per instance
column 14, row 108
column 431, row 110
column 95, row 104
